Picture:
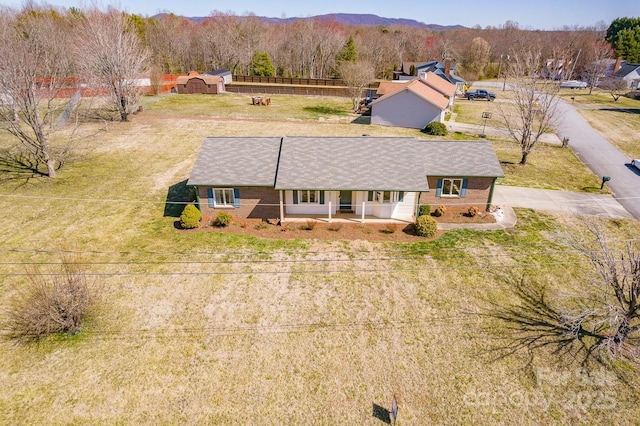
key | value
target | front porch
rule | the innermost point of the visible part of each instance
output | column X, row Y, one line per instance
column 343, row 218
column 346, row 206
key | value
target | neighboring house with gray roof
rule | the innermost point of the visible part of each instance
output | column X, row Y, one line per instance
column 223, row 73
column 383, row 177
column 443, row 69
column 629, row 73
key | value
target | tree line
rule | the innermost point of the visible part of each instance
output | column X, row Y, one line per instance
column 47, row 50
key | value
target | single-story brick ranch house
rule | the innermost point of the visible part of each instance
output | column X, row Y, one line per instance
column 380, row 177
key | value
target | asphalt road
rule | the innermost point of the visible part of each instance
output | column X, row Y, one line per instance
column 601, row 157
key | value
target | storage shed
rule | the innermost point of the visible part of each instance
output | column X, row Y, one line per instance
column 196, row 83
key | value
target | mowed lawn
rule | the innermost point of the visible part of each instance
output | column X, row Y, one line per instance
column 210, row 328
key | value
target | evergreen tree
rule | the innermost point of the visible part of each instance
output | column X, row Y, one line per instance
column 628, row 44
column 348, row 53
column 623, row 34
column 261, row 65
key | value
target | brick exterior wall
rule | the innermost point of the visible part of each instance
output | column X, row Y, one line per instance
column 478, row 191
column 255, row 203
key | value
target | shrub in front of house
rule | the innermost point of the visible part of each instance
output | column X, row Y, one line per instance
column 261, row 225
column 190, row 217
column 435, row 128
column 473, row 211
column 390, row 228
column 439, row 211
column 223, row 219
column 309, row 226
column 425, row 210
column 426, row 226
column 335, row 227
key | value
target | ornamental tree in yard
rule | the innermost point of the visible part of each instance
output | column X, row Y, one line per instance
column 111, row 56
column 532, row 111
column 34, row 69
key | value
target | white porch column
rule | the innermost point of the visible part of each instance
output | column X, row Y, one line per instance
column 281, row 208
column 363, row 206
column 329, row 211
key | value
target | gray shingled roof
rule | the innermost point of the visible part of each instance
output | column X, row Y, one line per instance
column 339, row 163
column 354, row 163
column 626, row 69
column 461, row 158
column 236, row 161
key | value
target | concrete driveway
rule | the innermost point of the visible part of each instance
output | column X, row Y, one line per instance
column 560, row 201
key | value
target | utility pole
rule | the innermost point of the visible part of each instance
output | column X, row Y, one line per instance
column 504, row 84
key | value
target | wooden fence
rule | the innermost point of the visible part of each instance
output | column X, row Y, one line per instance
column 292, row 86
column 274, row 89
column 289, row 80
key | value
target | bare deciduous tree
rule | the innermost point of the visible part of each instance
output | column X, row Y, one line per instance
column 35, row 67
column 475, row 58
column 611, row 307
column 329, row 41
column 597, row 65
column 616, row 86
column 111, row 56
column 357, row 76
column 532, row 111
column 167, row 37
column 600, row 320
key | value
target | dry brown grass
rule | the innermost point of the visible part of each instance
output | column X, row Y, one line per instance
column 621, row 128
column 317, row 341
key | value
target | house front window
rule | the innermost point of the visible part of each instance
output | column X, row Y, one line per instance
column 309, row 197
column 452, row 187
column 386, row 197
column 224, row 197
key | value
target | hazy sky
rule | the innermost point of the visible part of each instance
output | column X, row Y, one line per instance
column 533, row 14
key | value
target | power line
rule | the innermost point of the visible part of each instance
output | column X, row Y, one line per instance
column 412, row 251
column 273, row 261
column 294, row 272
column 273, row 329
column 138, row 200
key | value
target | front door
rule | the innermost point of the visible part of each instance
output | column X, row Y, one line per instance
column 345, row 201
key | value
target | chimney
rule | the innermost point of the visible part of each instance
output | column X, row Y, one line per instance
column 617, row 66
column 447, row 67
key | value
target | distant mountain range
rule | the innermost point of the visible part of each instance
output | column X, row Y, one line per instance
column 352, row 19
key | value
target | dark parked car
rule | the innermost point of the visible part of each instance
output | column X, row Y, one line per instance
column 480, row 94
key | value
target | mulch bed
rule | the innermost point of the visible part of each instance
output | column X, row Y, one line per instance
column 397, row 232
